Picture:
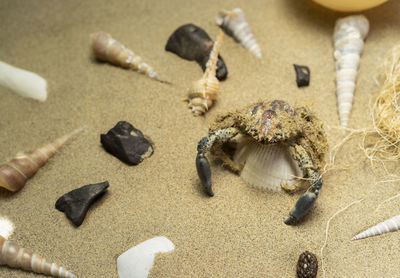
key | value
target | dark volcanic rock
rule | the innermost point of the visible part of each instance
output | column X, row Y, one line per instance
column 76, row 203
column 127, row 143
column 193, row 43
column 302, row 75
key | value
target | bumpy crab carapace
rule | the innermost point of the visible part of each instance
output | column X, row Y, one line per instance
column 269, row 142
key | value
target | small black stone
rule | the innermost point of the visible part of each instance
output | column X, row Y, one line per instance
column 127, row 143
column 76, row 203
column 192, row 43
column 302, row 75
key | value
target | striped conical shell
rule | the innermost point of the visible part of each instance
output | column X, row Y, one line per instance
column 107, row 49
column 15, row 256
column 15, row 173
column 204, row 91
column 349, row 35
column 390, row 225
column 234, row 23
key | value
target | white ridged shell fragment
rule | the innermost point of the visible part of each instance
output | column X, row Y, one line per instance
column 390, row 225
column 234, row 23
column 268, row 167
column 348, row 38
column 138, row 261
column 23, row 82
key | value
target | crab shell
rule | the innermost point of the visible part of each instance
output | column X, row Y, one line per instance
column 272, row 122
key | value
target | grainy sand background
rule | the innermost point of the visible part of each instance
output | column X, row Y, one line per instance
column 240, row 231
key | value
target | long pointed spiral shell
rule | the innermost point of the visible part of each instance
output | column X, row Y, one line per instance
column 349, row 35
column 204, row 91
column 390, row 225
column 234, row 23
column 107, row 49
column 15, row 256
column 15, row 173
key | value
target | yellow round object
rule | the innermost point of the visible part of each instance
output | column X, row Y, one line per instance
column 350, row 5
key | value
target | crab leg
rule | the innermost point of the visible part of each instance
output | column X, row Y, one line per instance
column 305, row 202
column 204, row 146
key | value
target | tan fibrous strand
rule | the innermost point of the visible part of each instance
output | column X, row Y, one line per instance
column 15, row 256
column 107, row 49
column 204, row 91
column 15, row 173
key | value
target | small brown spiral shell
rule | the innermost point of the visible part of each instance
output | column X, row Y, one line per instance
column 204, row 91
column 15, row 173
column 14, row 256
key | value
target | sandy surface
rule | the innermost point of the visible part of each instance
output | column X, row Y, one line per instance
column 240, row 231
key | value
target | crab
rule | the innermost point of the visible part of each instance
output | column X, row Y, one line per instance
column 268, row 125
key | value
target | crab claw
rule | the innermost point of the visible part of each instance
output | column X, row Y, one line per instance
column 204, row 172
column 302, row 206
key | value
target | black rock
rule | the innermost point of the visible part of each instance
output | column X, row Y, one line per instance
column 302, row 75
column 193, row 43
column 127, row 143
column 76, row 203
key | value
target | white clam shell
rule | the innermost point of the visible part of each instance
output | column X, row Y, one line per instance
column 349, row 36
column 23, row 82
column 267, row 166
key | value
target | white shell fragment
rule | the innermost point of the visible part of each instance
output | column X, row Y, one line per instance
column 23, row 82
column 349, row 35
column 6, row 227
column 269, row 167
column 137, row 261
column 390, row 225
column 234, row 23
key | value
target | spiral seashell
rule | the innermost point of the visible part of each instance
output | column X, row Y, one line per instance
column 204, row 91
column 349, row 35
column 15, row 256
column 234, row 23
column 390, row 225
column 107, row 49
column 15, row 173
